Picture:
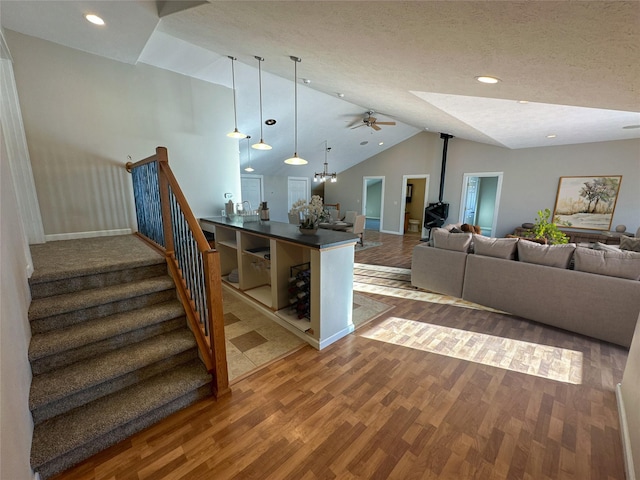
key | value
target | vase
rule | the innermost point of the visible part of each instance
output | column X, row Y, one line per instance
column 308, row 231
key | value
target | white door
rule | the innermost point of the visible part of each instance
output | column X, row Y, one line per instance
column 252, row 189
column 298, row 188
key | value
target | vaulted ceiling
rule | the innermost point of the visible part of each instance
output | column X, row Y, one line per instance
column 569, row 69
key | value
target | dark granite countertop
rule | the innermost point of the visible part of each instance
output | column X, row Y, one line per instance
column 286, row 231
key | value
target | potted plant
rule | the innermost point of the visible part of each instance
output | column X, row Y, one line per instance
column 548, row 230
column 312, row 214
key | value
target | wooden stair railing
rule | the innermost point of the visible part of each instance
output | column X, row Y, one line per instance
column 166, row 222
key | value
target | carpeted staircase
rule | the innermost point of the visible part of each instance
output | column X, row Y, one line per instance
column 111, row 354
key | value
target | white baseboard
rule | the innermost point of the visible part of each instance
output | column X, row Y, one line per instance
column 624, row 433
column 97, row 233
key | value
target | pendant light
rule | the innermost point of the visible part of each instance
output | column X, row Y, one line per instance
column 260, row 145
column 322, row 177
column 295, row 160
column 235, row 133
column 249, row 168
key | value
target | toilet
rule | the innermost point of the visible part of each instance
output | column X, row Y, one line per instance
column 414, row 225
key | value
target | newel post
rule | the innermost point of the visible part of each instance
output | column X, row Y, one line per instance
column 213, row 285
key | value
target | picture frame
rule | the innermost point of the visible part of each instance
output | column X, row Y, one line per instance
column 586, row 202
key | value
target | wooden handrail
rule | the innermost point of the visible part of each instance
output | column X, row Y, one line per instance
column 196, row 271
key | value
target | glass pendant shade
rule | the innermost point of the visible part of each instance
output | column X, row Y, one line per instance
column 235, row 133
column 260, row 145
column 295, row 160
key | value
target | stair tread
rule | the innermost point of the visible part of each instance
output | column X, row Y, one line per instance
column 77, row 335
column 69, row 302
column 87, row 256
column 60, row 435
column 57, row 384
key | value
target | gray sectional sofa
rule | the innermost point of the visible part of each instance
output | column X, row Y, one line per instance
column 599, row 296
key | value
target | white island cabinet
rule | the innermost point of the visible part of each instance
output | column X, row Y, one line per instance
column 259, row 258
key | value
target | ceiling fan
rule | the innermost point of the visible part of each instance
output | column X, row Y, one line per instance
column 370, row 121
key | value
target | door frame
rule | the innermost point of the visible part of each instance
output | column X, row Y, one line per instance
column 363, row 206
column 463, row 195
column 403, row 201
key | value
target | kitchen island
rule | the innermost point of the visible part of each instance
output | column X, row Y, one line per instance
column 264, row 260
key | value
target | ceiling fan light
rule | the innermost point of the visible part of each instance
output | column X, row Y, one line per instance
column 295, row 160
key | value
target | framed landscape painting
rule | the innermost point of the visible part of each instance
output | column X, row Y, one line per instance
column 586, row 202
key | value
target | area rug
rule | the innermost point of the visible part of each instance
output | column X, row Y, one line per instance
column 360, row 248
column 396, row 282
column 254, row 340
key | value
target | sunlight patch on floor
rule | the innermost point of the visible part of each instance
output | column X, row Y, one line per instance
column 544, row 361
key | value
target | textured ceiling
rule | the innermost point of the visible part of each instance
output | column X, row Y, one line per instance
column 415, row 61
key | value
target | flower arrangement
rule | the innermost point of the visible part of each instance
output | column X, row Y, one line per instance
column 312, row 212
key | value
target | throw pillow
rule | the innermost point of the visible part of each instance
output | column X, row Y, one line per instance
column 604, row 246
column 550, row 255
column 495, row 247
column 458, row 242
column 604, row 262
column 628, row 243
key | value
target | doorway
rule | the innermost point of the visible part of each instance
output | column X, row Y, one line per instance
column 252, row 188
column 297, row 188
column 372, row 202
column 480, row 200
column 415, row 193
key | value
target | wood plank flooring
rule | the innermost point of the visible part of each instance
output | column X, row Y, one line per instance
column 364, row 408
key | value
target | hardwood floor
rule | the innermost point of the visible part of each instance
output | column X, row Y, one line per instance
column 367, row 408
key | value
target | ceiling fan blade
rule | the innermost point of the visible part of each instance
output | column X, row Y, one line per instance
column 370, row 120
column 355, row 122
column 386, row 123
column 358, row 126
column 375, row 127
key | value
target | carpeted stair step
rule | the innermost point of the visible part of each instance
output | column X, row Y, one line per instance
column 66, row 440
column 69, row 387
column 61, row 347
column 41, row 288
column 60, row 311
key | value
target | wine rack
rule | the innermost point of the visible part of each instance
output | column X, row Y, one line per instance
column 300, row 290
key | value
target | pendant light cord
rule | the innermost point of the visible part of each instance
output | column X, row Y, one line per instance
column 260, row 59
column 295, row 94
column 233, row 79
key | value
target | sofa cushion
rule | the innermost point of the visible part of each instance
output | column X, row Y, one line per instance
column 550, row 255
column 628, row 243
column 604, row 262
column 495, row 247
column 458, row 242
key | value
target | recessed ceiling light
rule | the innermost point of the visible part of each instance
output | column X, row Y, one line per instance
column 340, row 95
column 629, row 127
column 270, row 122
column 486, row 79
column 306, row 81
column 523, row 101
column 381, row 143
column 551, row 135
column 426, row 128
column 95, row 19
column 364, row 143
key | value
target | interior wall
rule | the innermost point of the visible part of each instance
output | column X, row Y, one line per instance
column 414, row 156
column 530, row 180
column 16, row 424
column 84, row 115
